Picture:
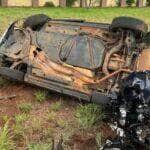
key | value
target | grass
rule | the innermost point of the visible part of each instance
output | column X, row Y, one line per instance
column 40, row 95
column 6, row 142
column 21, row 118
column 56, row 106
column 3, row 82
column 40, row 146
column 18, row 127
column 8, row 15
column 88, row 115
column 25, row 107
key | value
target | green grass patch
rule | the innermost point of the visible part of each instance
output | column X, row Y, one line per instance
column 40, row 146
column 8, row 15
column 21, row 118
column 6, row 142
column 56, row 106
column 40, row 95
column 25, row 107
column 88, row 115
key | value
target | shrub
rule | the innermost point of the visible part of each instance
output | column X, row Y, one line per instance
column 130, row 2
column 148, row 2
column 70, row 3
column 49, row 4
column 6, row 142
column 117, row 2
column 25, row 107
column 88, row 115
column 40, row 95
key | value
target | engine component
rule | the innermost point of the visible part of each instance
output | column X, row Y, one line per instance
column 132, row 109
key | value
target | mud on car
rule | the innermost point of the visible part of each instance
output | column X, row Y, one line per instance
column 96, row 62
column 82, row 59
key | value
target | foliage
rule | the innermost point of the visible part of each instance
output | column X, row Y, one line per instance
column 130, row 2
column 49, row 4
column 51, row 116
column 70, row 2
column 56, row 106
column 117, row 2
column 5, row 118
column 21, row 118
column 25, row 107
column 36, row 124
column 18, row 127
column 40, row 95
column 6, row 142
column 89, row 115
column 148, row 2
column 40, row 146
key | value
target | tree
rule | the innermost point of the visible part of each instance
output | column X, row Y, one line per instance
column 122, row 3
column 130, row 2
column 139, row 3
column 35, row 3
column 103, row 3
column 4, row 3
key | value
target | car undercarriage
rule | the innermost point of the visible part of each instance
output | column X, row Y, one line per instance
column 90, row 61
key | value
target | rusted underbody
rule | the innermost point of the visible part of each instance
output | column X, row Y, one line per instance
column 81, row 59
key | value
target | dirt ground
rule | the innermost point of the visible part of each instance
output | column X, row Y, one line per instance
column 44, row 125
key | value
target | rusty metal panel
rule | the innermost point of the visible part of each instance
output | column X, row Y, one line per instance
column 144, row 60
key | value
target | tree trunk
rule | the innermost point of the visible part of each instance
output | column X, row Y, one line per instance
column 122, row 3
column 139, row 3
column 103, row 3
column 35, row 3
column 62, row 3
column 4, row 3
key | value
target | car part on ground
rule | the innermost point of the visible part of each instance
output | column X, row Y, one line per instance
column 132, row 114
column 74, row 57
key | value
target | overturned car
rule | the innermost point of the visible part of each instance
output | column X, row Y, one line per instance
column 102, row 63
column 82, row 59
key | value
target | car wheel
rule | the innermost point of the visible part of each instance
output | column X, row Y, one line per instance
column 35, row 22
column 129, row 23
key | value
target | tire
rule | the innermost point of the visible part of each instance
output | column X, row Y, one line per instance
column 129, row 23
column 35, row 22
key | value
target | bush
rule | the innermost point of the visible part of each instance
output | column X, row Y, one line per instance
column 89, row 115
column 70, row 3
column 148, row 2
column 130, row 2
column 117, row 2
column 49, row 4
